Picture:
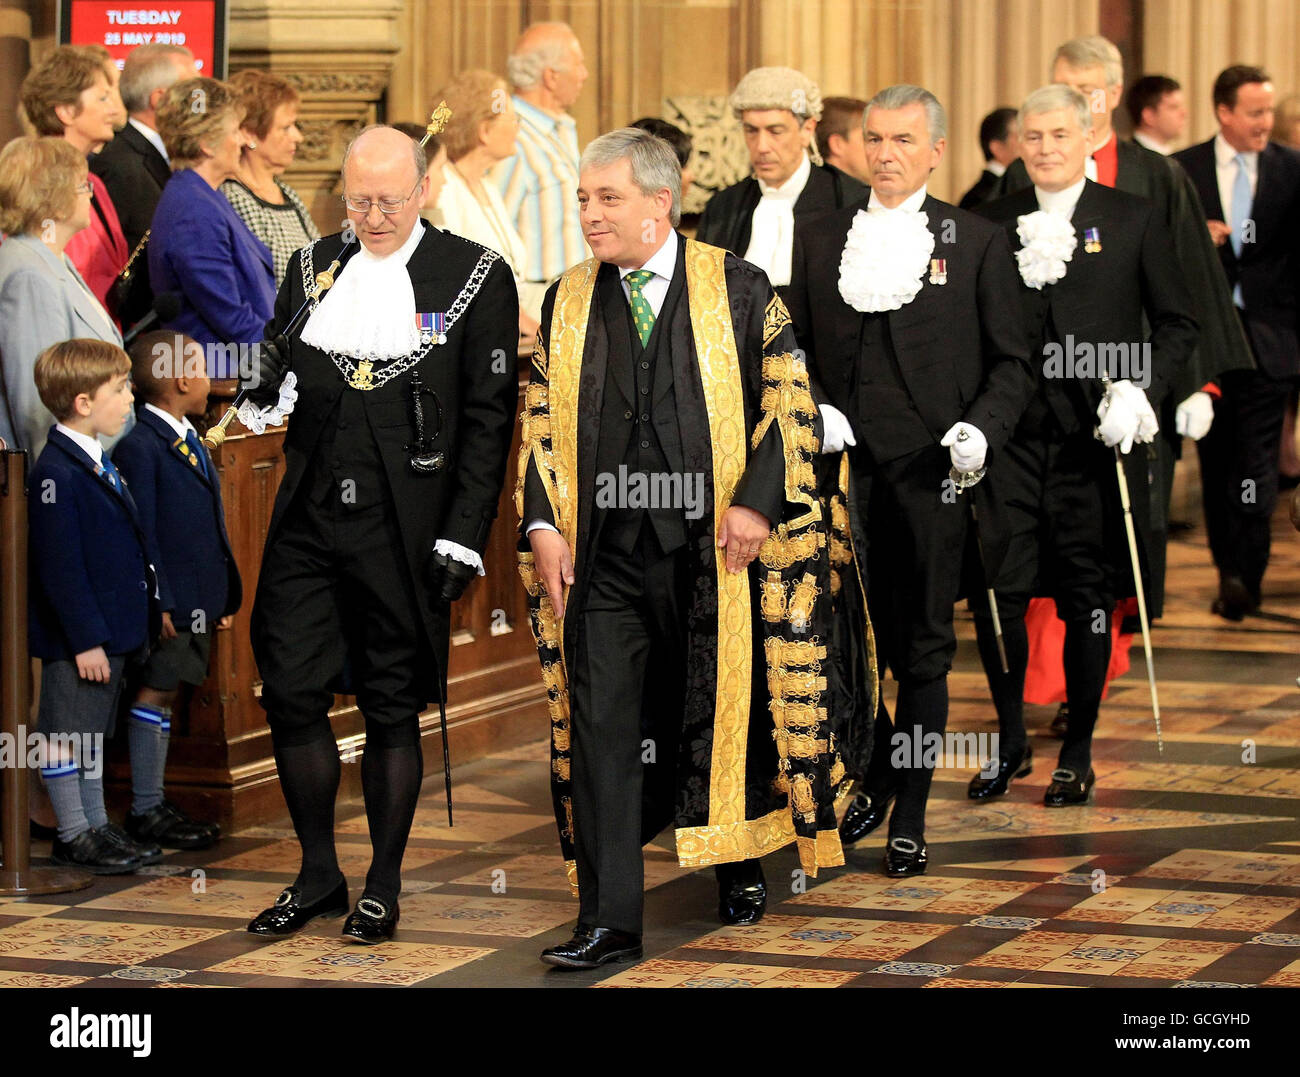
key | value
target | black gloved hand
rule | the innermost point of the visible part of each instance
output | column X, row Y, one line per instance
column 447, row 577
column 270, row 364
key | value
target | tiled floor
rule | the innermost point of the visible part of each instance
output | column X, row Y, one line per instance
column 1185, row 870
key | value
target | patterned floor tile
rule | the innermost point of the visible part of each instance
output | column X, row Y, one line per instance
column 354, row 858
column 312, row 957
column 471, row 826
column 96, row 941
column 510, row 917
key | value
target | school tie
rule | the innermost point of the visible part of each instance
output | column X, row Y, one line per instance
column 196, row 448
column 1240, row 213
column 642, row 312
column 110, row 473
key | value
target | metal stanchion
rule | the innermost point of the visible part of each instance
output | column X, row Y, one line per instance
column 17, row 877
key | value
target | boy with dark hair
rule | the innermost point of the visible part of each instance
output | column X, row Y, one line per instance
column 179, row 496
column 91, row 586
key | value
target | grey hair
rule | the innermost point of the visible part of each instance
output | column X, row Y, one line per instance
column 149, row 68
column 524, row 69
column 1094, row 51
column 654, row 164
column 418, row 155
column 903, row 94
column 1057, row 95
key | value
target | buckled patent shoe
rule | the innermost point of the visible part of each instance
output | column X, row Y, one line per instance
column 372, row 921
column 742, row 903
column 147, row 852
column 1067, row 788
column 866, row 812
column 93, row 851
column 982, row 788
column 289, row 914
column 904, row 857
column 592, row 947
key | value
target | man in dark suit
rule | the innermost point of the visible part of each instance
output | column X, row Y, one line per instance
column 134, row 165
column 839, row 137
column 757, row 218
column 908, row 314
column 1001, row 145
column 1094, row 264
column 666, row 359
column 418, row 323
column 1250, row 188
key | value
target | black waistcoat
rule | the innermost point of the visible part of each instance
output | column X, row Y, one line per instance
column 347, row 464
column 887, row 415
column 641, row 434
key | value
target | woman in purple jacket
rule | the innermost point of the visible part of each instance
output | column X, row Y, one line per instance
column 199, row 247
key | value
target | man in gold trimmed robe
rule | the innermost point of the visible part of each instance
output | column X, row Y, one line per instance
column 676, row 560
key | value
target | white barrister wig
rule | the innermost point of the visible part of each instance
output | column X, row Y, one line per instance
column 779, row 87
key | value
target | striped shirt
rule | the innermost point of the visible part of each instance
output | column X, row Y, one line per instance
column 539, row 186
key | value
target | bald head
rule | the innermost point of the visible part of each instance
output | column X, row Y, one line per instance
column 384, row 167
column 546, row 66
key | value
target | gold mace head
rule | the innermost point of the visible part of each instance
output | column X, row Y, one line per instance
column 438, row 120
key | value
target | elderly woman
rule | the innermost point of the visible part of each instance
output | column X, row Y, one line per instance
column 43, row 299
column 271, row 209
column 482, row 132
column 201, row 248
column 69, row 96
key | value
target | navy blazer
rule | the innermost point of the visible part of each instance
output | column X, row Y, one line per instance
column 201, row 248
column 89, row 563
column 184, row 520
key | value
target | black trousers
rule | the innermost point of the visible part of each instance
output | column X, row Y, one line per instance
column 1061, row 504
column 335, row 597
column 1239, row 472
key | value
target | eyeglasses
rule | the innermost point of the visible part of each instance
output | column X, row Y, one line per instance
column 386, row 205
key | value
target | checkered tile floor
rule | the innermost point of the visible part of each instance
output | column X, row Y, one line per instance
column 1184, row 871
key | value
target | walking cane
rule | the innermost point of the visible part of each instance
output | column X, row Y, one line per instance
column 963, row 481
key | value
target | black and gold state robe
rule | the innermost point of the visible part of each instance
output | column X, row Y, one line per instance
column 758, row 763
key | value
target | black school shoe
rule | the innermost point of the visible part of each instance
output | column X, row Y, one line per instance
column 92, row 851
column 167, row 825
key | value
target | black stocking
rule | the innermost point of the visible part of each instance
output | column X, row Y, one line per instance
column 391, row 772
column 308, row 764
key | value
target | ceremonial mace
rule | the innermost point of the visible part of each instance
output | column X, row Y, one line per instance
column 214, row 438
column 963, row 481
column 1137, row 580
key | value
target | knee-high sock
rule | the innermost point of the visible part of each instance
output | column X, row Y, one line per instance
column 308, row 764
column 391, row 772
column 1087, row 655
column 92, row 782
column 1007, row 689
column 64, row 786
column 143, row 733
column 922, row 710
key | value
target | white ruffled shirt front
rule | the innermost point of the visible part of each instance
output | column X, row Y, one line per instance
column 886, row 255
column 1047, row 239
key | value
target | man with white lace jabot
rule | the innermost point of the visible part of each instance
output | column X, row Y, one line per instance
column 909, row 314
column 395, row 456
column 1093, row 262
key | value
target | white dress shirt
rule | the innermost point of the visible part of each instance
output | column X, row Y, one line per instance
column 1225, row 171
column 1060, row 202
column 155, row 139
column 90, row 446
column 1162, row 148
column 181, row 426
column 771, row 230
column 996, row 167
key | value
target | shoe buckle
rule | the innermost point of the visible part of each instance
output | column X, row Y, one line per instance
column 904, row 845
column 286, row 897
column 372, row 907
column 1064, row 774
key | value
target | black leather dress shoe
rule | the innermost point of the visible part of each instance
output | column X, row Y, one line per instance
column 1062, row 720
column 904, row 857
column 982, row 788
column 167, row 825
column 288, row 914
column 742, row 902
column 1067, row 788
column 1235, row 600
column 592, row 947
column 94, row 852
column 866, row 812
column 147, row 852
column 372, row 921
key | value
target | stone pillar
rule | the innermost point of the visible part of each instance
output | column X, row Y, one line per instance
column 341, row 60
column 15, row 58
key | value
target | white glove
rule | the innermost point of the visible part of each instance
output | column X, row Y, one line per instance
column 836, row 431
column 1125, row 417
column 968, row 451
column 1194, row 416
